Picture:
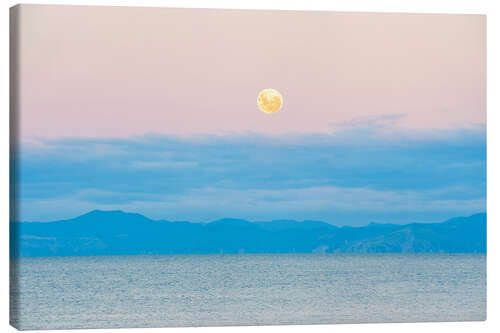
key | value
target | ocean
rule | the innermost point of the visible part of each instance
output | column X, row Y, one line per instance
column 245, row 289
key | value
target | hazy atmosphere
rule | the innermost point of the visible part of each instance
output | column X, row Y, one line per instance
column 202, row 167
column 154, row 112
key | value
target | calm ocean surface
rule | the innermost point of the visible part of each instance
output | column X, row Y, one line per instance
column 213, row 290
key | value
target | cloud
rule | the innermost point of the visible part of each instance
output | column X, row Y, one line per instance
column 163, row 164
column 322, row 203
column 312, row 176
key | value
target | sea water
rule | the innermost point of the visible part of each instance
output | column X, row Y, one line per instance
column 245, row 289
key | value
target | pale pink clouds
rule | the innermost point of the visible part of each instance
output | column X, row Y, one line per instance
column 118, row 71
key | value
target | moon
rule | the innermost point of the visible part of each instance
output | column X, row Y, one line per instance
column 269, row 101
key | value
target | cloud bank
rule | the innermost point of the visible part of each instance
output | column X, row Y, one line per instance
column 342, row 178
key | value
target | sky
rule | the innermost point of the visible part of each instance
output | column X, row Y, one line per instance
column 154, row 111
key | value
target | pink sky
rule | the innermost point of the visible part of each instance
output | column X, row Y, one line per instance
column 118, row 71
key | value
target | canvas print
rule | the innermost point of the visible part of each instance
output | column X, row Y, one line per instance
column 209, row 167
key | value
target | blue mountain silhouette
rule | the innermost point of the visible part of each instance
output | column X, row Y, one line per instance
column 118, row 233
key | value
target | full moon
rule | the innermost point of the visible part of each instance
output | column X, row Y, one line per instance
column 269, row 100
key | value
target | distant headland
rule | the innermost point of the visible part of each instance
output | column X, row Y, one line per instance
column 118, row 233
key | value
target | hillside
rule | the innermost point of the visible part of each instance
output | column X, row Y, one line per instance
column 119, row 233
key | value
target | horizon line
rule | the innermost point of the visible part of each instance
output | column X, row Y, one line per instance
column 245, row 220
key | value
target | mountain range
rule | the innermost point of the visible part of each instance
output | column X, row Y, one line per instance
column 118, row 233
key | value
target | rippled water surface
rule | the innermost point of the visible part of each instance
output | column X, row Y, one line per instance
column 212, row 290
